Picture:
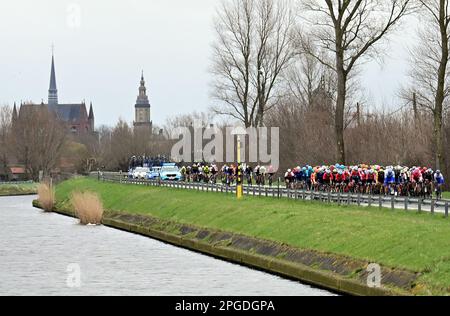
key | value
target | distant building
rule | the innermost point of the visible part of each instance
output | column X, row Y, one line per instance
column 75, row 115
column 142, row 123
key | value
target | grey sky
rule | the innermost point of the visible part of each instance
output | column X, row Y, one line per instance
column 101, row 60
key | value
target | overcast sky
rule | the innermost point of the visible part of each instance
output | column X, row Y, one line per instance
column 100, row 54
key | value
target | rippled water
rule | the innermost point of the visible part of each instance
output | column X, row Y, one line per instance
column 36, row 250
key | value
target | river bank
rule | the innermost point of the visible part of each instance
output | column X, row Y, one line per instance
column 325, row 245
column 11, row 189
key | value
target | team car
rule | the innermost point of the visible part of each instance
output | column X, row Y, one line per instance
column 140, row 173
column 170, row 172
column 153, row 174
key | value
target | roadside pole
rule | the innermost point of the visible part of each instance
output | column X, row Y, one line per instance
column 239, row 191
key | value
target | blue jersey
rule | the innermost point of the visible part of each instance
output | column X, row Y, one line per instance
column 439, row 179
column 389, row 179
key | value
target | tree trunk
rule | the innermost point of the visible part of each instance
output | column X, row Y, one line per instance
column 340, row 104
column 440, row 92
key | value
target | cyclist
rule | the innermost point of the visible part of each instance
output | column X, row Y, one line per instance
column 340, row 179
column 438, row 183
column 389, row 181
column 289, row 178
column 298, row 173
column 428, row 176
column 416, row 180
column 403, row 182
column 327, row 179
column 307, row 175
column 206, row 173
column 183, row 173
column 257, row 172
column 263, row 172
column 195, row 172
column 214, row 172
column 319, row 177
column 355, row 178
column 248, row 174
column 188, row 173
column 337, row 180
column 370, row 180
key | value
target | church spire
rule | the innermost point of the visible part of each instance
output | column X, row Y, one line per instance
column 142, row 99
column 14, row 113
column 91, row 113
column 53, row 91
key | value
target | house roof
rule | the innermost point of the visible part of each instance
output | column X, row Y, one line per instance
column 71, row 112
column 17, row 170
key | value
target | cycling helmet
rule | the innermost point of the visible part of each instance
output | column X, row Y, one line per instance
column 438, row 171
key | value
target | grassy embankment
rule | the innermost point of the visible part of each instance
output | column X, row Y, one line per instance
column 18, row 189
column 398, row 239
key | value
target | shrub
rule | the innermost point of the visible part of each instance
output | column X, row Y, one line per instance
column 88, row 207
column 46, row 196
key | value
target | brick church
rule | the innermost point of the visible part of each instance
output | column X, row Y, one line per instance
column 75, row 115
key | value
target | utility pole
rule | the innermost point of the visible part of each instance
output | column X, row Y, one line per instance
column 239, row 191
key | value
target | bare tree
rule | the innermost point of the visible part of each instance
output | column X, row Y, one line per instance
column 349, row 31
column 122, row 145
column 38, row 139
column 429, row 69
column 5, row 129
column 253, row 47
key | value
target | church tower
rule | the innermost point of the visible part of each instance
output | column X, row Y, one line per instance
column 142, row 122
column 52, row 90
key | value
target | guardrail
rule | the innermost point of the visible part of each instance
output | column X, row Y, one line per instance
column 406, row 203
column 16, row 182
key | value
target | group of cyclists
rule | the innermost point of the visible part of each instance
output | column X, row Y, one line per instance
column 228, row 174
column 365, row 179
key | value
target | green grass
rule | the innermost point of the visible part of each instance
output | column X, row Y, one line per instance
column 446, row 195
column 18, row 189
column 418, row 242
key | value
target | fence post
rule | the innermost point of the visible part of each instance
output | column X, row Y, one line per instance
column 348, row 198
column 359, row 198
column 432, row 206
column 259, row 190
column 380, row 201
column 392, row 202
column 304, row 194
column 419, row 206
column 446, row 209
column 329, row 197
column 278, row 187
column 369, row 200
column 406, row 203
column 339, row 198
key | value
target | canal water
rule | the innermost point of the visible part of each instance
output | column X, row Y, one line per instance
column 49, row 254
